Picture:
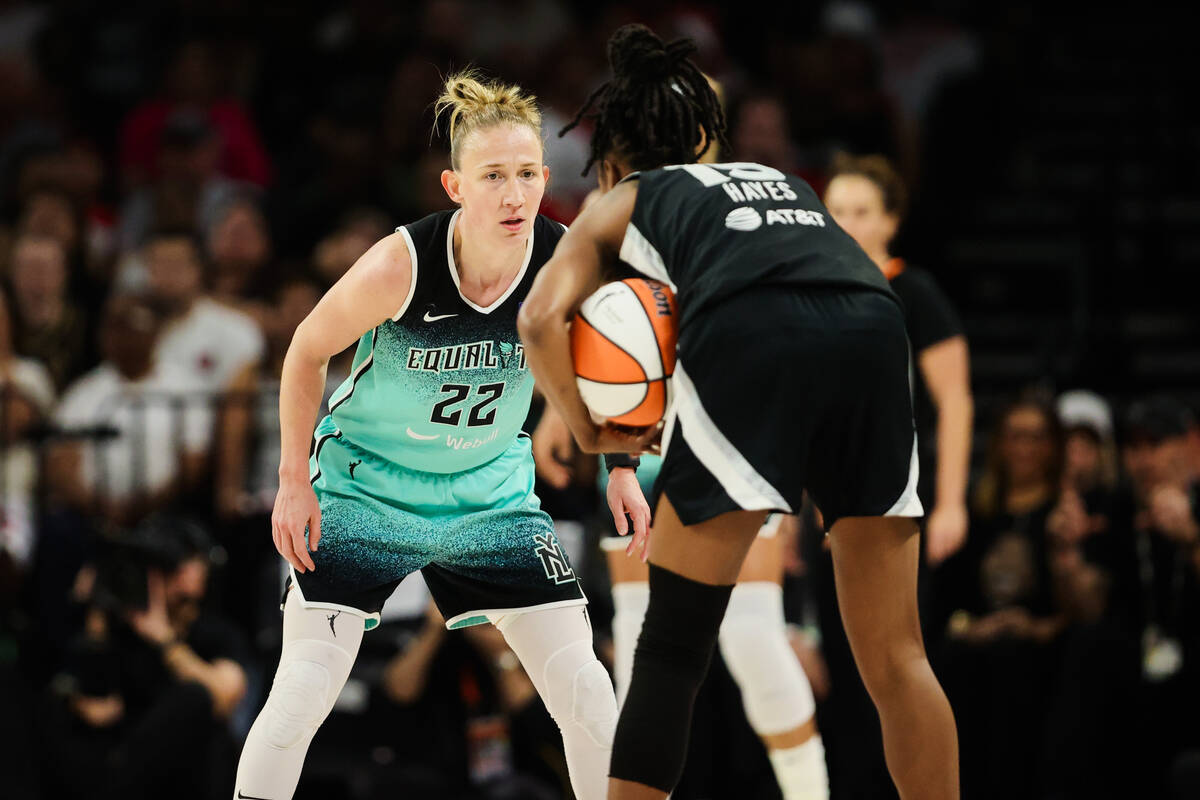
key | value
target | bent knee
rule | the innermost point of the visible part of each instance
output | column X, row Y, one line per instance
column 579, row 692
column 298, row 703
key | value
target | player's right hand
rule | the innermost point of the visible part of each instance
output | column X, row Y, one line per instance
column 296, row 510
column 625, row 497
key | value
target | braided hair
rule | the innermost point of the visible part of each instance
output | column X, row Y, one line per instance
column 657, row 109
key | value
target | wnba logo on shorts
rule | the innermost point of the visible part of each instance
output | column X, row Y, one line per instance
column 553, row 559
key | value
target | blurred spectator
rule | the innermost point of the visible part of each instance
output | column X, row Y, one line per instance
column 220, row 348
column 492, row 733
column 193, row 83
column 51, row 211
column 1162, row 580
column 74, row 168
column 239, row 253
column 46, row 323
column 142, row 430
column 1089, row 528
column 1090, row 457
column 867, row 198
column 568, row 76
column 333, row 169
column 358, row 230
column 213, row 342
column 26, row 399
column 142, row 705
column 760, row 132
column 1000, row 661
column 188, row 191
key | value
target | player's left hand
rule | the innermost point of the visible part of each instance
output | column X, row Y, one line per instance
column 625, row 497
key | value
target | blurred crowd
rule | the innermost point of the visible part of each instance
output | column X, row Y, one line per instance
column 180, row 182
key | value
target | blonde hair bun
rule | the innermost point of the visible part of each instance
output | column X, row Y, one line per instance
column 475, row 103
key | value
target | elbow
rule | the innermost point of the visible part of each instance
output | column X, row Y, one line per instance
column 533, row 321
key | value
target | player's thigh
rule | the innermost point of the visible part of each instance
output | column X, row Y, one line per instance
column 709, row 552
column 875, row 568
column 625, row 568
column 764, row 560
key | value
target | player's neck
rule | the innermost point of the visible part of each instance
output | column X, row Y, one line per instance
column 484, row 268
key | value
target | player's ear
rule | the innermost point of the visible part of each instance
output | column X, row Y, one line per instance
column 546, row 174
column 453, row 185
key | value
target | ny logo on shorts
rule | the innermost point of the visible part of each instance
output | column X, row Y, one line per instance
column 553, row 560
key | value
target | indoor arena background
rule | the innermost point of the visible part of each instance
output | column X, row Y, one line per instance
column 1052, row 159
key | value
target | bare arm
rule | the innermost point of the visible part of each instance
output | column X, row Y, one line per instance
column 575, row 271
column 233, row 440
column 225, row 680
column 946, row 371
column 370, row 293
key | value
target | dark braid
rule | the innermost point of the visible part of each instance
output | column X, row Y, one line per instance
column 655, row 107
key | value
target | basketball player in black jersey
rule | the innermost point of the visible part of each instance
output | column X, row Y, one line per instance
column 792, row 373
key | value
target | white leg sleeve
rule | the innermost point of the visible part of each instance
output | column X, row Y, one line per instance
column 775, row 690
column 754, row 645
column 555, row 648
column 630, row 601
column 319, row 648
column 800, row 771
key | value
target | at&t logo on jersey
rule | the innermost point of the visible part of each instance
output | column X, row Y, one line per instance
column 749, row 219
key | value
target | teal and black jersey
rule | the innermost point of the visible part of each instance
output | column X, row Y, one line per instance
column 713, row 230
column 442, row 386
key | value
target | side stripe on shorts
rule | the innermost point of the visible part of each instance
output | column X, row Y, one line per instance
column 736, row 475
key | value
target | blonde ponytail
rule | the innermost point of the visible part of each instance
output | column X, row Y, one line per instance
column 475, row 104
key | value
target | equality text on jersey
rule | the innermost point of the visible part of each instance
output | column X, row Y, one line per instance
column 485, row 354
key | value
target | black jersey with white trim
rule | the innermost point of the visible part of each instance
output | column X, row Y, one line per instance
column 712, row 230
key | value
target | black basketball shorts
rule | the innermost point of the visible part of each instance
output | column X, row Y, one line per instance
column 781, row 389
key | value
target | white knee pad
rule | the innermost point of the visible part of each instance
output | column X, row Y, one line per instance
column 753, row 640
column 313, row 667
column 579, row 691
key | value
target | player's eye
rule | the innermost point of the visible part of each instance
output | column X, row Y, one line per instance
column 527, row 174
column 492, row 176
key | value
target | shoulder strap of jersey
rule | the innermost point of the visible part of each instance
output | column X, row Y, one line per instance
column 426, row 250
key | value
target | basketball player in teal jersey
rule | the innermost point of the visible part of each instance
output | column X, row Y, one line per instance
column 791, row 374
column 421, row 463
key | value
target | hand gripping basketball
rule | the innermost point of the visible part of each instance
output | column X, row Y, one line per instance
column 623, row 346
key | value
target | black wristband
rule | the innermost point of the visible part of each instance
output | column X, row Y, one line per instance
column 614, row 460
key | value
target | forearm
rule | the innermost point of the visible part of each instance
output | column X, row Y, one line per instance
column 548, row 353
column 405, row 677
column 224, row 680
column 234, row 439
column 955, row 419
column 300, row 390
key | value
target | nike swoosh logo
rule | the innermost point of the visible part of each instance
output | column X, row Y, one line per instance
column 249, row 796
column 416, row 435
column 439, row 316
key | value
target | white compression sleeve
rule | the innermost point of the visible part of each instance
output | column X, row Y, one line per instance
column 555, row 648
column 775, row 690
column 319, row 648
column 630, row 601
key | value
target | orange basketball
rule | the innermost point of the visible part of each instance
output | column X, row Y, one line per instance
column 623, row 345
